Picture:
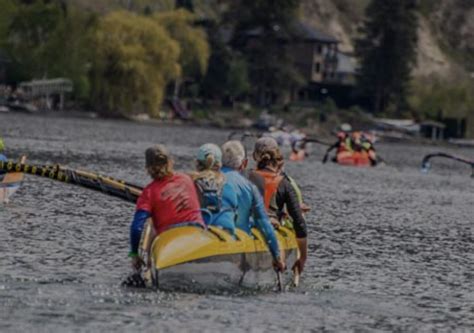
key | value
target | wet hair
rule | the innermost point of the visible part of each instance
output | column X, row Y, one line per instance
column 158, row 162
column 269, row 158
column 233, row 154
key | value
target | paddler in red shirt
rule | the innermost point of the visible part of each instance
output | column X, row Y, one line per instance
column 170, row 200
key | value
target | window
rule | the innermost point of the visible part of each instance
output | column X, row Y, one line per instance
column 317, row 67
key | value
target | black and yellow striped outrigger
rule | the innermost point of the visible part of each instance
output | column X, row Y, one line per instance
column 105, row 184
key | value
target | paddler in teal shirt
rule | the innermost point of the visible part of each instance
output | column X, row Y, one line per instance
column 251, row 209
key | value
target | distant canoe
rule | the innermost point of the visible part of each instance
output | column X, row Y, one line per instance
column 355, row 158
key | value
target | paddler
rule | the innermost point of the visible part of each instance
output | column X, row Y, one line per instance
column 3, row 158
column 279, row 196
column 251, row 209
column 217, row 196
column 344, row 143
column 170, row 200
column 367, row 145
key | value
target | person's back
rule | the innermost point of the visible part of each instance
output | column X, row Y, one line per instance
column 217, row 196
column 170, row 200
column 251, row 209
column 280, row 196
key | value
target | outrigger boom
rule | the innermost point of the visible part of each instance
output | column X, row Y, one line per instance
column 426, row 165
column 97, row 182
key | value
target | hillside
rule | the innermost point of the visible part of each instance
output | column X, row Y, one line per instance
column 446, row 33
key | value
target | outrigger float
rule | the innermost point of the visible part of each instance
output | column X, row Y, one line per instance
column 426, row 162
column 189, row 258
column 10, row 183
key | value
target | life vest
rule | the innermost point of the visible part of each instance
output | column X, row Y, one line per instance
column 345, row 142
column 272, row 181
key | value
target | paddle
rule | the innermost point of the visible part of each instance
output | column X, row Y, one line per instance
column 315, row 140
column 426, row 165
column 296, row 277
column 139, row 278
column 279, row 281
column 104, row 184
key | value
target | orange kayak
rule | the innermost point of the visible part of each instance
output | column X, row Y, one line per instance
column 353, row 158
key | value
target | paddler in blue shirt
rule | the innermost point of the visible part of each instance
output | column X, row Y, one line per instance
column 251, row 209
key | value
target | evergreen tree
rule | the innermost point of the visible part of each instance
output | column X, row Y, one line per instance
column 270, row 62
column 186, row 4
column 387, row 53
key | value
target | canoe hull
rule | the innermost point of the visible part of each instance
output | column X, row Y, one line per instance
column 189, row 258
column 227, row 272
column 358, row 159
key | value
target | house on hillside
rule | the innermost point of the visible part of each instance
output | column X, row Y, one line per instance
column 318, row 60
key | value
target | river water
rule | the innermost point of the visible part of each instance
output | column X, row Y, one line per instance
column 391, row 249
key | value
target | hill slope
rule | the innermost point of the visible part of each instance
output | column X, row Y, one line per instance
column 446, row 33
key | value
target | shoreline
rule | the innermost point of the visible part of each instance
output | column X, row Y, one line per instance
column 218, row 124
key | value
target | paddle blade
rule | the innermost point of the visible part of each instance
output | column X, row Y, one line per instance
column 425, row 167
column 296, row 277
column 134, row 280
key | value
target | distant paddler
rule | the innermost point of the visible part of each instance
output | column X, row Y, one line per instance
column 278, row 189
column 251, row 208
column 170, row 200
column 3, row 158
column 353, row 148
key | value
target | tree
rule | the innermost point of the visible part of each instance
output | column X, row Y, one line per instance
column 387, row 53
column 9, row 8
column 192, row 40
column 271, row 64
column 237, row 81
column 186, row 4
column 49, row 39
column 30, row 35
column 135, row 59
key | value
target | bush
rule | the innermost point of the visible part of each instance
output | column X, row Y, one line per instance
column 435, row 98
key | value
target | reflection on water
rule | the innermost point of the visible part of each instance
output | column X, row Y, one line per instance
column 391, row 248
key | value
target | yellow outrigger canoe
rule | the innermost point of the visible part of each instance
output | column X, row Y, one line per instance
column 188, row 257
column 191, row 258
